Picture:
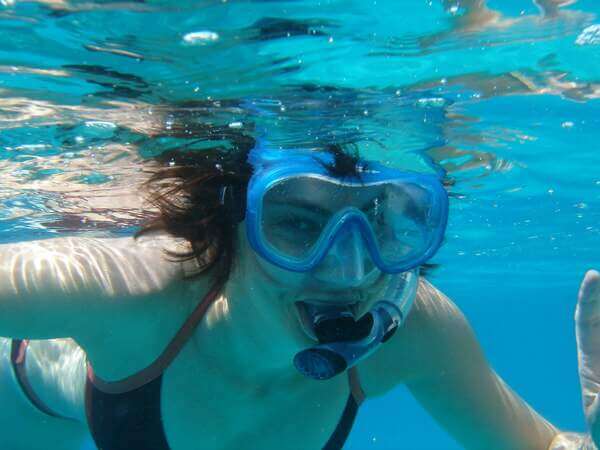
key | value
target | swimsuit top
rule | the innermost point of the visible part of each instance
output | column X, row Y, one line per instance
column 126, row 414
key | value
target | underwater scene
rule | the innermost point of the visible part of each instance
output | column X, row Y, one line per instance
column 497, row 99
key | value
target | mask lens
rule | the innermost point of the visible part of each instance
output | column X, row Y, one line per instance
column 298, row 214
column 404, row 225
column 293, row 219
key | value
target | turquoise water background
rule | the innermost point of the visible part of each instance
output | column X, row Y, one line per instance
column 505, row 105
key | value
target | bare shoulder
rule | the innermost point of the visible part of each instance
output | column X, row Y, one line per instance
column 146, row 300
column 435, row 333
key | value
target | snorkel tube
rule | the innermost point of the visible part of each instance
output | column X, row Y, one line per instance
column 343, row 341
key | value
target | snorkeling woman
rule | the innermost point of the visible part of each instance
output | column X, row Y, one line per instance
column 275, row 292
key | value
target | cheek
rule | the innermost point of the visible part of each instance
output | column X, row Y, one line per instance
column 261, row 271
column 283, row 279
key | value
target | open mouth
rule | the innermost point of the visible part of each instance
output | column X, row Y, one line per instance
column 313, row 312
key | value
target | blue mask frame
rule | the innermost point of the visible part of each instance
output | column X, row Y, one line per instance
column 271, row 166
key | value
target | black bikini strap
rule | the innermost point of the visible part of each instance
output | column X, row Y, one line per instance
column 344, row 426
column 163, row 361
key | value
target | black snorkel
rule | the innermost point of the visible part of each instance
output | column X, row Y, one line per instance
column 344, row 341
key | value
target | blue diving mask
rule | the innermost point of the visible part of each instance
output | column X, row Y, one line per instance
column 299, row 216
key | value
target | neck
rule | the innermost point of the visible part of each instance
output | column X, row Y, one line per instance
column 246, row 333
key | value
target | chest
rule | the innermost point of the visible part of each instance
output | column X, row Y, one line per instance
column 202, row 406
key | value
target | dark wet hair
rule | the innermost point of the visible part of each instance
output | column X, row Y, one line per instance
column 200, row 196
column 345, row 161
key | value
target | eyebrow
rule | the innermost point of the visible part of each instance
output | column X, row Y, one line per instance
column 302, row 204
column 299, row 202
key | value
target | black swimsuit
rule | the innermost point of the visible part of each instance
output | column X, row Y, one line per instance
column 132, row 420
column 126, row 415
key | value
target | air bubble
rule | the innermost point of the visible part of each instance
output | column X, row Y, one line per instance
column 100, row 124
column 201, row 37
column 437, row 102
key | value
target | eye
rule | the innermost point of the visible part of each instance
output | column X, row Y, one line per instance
column 298, row 224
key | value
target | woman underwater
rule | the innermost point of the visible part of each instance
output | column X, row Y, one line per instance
column 275, row 291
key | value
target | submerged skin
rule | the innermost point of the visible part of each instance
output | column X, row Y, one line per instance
column 233, row 384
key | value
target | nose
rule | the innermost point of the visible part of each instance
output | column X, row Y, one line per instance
column 347, row 263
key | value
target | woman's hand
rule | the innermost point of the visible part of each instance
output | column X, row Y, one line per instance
column 587, row 329
column 587, row 332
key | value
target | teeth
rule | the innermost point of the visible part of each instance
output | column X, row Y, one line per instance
column 306, row 320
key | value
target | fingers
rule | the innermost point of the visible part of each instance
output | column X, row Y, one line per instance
column 587, row 331
column 590, row 286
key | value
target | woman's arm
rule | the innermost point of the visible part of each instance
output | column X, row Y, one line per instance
column 461, row 390
column 80, row 287
column 438, row 357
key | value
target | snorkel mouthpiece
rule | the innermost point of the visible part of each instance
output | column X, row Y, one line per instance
column 333, row 324
column 332, row 357
column 344, row 341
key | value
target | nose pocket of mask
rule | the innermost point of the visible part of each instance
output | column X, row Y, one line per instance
column 348, row 259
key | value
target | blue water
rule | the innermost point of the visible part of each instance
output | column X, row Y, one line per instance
column 507, row 108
